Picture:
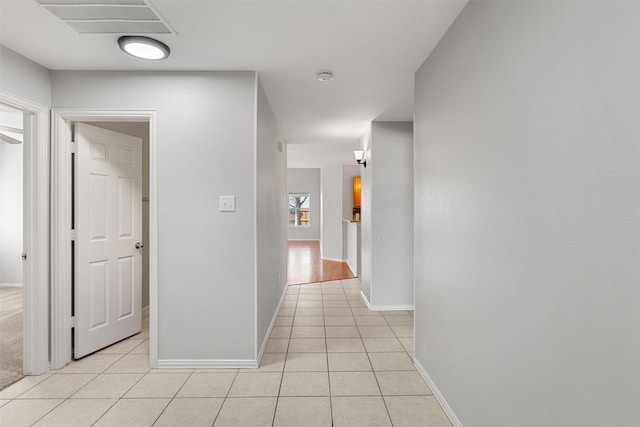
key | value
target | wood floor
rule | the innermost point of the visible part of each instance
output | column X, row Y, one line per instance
column 306, row 266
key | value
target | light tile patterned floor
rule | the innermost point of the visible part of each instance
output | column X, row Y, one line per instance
column 329, row 362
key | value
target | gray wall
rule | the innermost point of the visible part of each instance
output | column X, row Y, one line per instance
column 139, row 130
column 527, row 207
column 331, row 227
column 387, row 215
column 306, row 180
column 366, row 211
column 22, row 77
column 206, row 149
column 271, row 193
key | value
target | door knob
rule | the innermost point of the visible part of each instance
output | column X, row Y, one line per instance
column 139, row 245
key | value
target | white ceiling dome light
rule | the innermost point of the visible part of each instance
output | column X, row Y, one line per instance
column 144, row 47
column 325, row 76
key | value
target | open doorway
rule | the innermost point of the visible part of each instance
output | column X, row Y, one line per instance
column 11, row 243
column 34, row 231
column 141, row 124
column 111, row 220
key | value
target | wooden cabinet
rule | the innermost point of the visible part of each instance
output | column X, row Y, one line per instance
column 356, row 191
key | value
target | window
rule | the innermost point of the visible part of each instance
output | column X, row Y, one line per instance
column 299, row 213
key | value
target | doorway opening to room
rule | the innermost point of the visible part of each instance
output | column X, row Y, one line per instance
column 111, row 222
column 321, row 212
column 24, row 231
column 11, row 243
column 107, row 265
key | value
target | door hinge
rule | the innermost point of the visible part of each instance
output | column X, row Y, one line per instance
column 73, row 321
column 73, row 235
column 73, row 147
column 24, row 256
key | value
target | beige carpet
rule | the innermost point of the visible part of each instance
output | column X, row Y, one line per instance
column 10, row 335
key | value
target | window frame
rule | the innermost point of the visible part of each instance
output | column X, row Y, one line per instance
column 305, row 206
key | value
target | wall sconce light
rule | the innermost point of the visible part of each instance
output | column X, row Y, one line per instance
column 359, row 155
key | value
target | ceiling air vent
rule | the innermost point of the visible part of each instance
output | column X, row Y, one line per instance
column 108, row 16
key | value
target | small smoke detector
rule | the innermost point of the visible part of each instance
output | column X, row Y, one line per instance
column 325, row 76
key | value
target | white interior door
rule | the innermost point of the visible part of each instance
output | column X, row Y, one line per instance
column 108, row 223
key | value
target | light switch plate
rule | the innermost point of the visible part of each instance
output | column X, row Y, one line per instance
column 227, row 203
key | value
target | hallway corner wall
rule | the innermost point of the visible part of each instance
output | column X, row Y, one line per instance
column 331, row 240
column 387, row 216
column 205, row 149
column 272, row 218
column 527, row 207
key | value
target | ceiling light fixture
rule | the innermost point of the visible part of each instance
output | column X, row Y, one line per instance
column 144, row 47
column 325, row 76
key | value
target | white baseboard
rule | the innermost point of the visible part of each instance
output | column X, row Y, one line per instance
column 437, row 394
column 273, row 321
column 385, row 307
column 10, row 285
column 334, row 259
column 206, row 363
column 223, row 363
column 352, row 268
column 304, row 240
column 366, row 301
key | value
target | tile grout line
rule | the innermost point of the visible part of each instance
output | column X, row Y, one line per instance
column 52, row 409
column 23, row 392
column 172, row 398
column 63, row 400
column 384, row 402
column 387, row 322
column 225, row 397
column 123, row 394
column 284, row 365
column 326, row 348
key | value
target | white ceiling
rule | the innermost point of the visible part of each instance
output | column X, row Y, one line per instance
column 373, row 48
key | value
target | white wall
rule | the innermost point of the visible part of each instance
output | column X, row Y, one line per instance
column 366, row 211
column 353, row 247
column 11, row 163
column 331, row 241
column 272, row 217
column 22, row 77
column 387, row 215
column 206, row 149
column 527, row 214
column 139, row 130
column 306, row 180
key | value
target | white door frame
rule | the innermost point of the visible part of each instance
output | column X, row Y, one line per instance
column 35, row 343
column 61, row 274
